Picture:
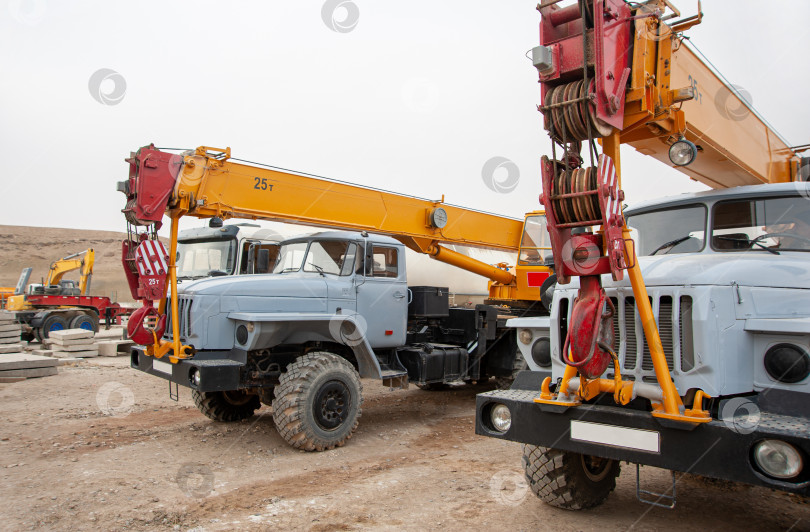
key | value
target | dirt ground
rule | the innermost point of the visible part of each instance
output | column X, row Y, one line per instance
column 101, row 446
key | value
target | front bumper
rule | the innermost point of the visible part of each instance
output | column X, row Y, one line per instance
column 217, row 372
column 715, row 449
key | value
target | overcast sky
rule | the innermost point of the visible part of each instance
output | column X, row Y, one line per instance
column 415, row 98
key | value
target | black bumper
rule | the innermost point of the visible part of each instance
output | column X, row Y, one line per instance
column 712, row 449
column 216, row 371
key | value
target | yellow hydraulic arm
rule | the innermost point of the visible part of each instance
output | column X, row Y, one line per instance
column 82, row 261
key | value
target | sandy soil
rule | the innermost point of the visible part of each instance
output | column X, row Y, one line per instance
column 100, row 446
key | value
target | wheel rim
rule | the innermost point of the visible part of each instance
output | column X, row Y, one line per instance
column 236, row 398
column 331, row 405
column 86, row 325
column 56, row 327
column 596, row 468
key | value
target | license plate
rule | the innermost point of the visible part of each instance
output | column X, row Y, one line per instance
column 638, row 439
column 163, row 367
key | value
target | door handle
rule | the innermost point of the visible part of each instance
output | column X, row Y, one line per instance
column 399, row 295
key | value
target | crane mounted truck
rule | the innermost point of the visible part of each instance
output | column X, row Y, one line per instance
column 336, row 307
column 701, row 362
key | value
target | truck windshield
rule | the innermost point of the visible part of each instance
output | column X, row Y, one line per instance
column 199, row 258
column 669, row 231
column 323, row 256
column 534, row 245
column 772, row 224
column 290, row 257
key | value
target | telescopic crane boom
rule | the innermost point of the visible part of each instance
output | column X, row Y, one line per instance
column 619, row 73
column 207, row 183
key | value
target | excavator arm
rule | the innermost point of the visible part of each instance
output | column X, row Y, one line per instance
column 82, row 261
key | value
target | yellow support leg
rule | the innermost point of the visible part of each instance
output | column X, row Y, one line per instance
column 672, row 405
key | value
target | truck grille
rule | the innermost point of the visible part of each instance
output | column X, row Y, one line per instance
column 674, row 328
column 184, row 308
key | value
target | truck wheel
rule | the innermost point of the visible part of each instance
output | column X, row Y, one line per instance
column 318, row 402
column 53, row 322
column 84, row 321
column 569, row 480
column 518, row 365
column 226, row 406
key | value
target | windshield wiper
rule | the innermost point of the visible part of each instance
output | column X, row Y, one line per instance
column 749, row 242
column 671, row 243
column 320, row 270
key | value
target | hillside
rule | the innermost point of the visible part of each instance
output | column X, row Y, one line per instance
column 37, row 247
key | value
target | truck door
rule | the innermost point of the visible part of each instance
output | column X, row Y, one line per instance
column 382, row 294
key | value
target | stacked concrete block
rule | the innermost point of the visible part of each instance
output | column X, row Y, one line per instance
column 78, row 343
column 114, row 348
column 18, row 366
column 10, row 332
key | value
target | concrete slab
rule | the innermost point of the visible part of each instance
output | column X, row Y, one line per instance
column 9, row 380
column 77, row 341
column 114, row 348
column 72, row 348
column 10, row 327
column 29, row 373
column 71, row 334
column 84, row 354
column 114, row 333
column 25, row 361
column 11, row 348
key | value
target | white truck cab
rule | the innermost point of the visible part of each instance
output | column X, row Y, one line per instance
column 233, row 249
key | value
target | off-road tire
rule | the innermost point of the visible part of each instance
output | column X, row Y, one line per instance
column 518, row 365
column 226, row 406
column 561, row 478
column 318, row 402
column 84, row 321
column 52, row 322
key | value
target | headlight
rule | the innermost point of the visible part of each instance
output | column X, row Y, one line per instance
column 501, row 417
column 525, row 336
column 787, row 363
column 194, row 377
column 242, row 334
column 541, row 352
column 778, row 459
column 682, row 153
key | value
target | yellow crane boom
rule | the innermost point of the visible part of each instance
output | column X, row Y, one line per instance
column 206, row 183
column 210, row 184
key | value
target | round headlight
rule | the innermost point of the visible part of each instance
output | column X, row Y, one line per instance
column 778, row 459
column 501, row 417
column 682, row 153
column 525, row 336
column 242, row 334
column 787, row 363
column 541, row 352
column 194, row 377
